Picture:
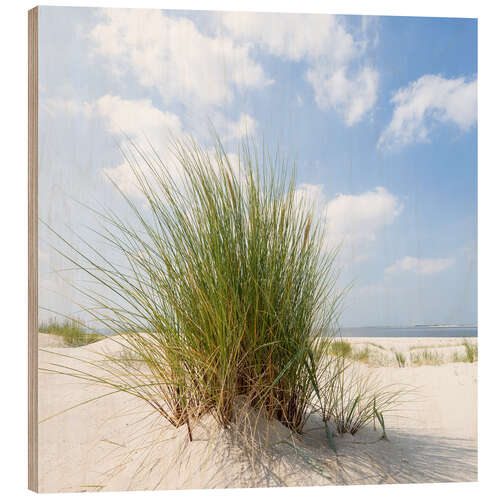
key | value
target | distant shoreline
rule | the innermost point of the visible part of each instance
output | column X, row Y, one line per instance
column 393, row 331
column 443, row 326
column 410, row 331
column 412, row 326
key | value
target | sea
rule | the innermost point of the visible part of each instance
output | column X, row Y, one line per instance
column 394, row 331
column 409, row 331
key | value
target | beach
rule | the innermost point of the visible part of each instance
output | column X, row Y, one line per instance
column 118, row 442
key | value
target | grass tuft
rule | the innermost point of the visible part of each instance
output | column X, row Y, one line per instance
column 73, row 333
column 343, row 348
column 353, row 398
column 426, row 357
column 227, row 295
column 340, row 348
column 471, row 351
column 361, row 355
column 222, row 284
column 400, row 359
column 469, row 356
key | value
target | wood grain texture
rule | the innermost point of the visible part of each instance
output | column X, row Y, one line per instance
column 33, row 249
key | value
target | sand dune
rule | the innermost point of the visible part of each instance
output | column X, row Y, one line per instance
column 117, row 443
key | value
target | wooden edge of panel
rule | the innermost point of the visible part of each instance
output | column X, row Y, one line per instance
column 33, row 249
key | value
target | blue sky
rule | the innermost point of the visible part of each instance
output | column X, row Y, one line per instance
column 381, row 113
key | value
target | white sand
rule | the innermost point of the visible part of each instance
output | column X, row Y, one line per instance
column 116, row 443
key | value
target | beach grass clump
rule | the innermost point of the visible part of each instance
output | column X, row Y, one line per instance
column 468, row 355
column 354, row 398
column 426, row 357
column 344, row 349
column 340, row 347
column 471, row 351
column 400, row 359
column 361, row 355
column 223, row 285
column 74, row 333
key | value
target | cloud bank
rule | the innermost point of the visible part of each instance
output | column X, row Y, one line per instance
column 353, row 221
column 426, row 102
column 340, row 79
column 173, row 56
column 419, row 266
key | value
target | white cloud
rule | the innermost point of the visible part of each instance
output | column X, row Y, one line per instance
column 235, row 130
column 173, row 56
column 429, row 100
column 353, row 221
column 145, row 125
column 127, row 120
column 120, row 116
column 310, row 195
column 338, row 78
column 351, row 97
column 139, row 121
column 135, row 118
column 420, row 266
column 293, row 36
column 123, row 176
column 148, row 126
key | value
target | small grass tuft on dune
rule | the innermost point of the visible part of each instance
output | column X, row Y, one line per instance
column 73, row 333
column 340, row 348
column 400, row 359
column 353, row 398
column 426, row 357
column 470, row 355
column 343, row 348
column 361, row 355
column 471, row 351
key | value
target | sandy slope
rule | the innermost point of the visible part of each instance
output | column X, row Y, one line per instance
column 115, row 443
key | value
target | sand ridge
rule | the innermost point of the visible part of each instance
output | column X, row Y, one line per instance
column 118, row 443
